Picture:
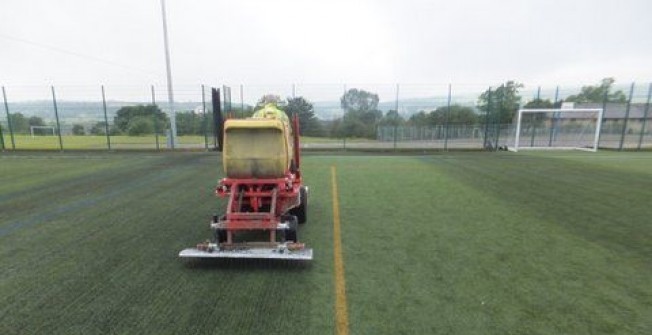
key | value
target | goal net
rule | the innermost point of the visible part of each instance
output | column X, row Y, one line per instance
column 557, row 129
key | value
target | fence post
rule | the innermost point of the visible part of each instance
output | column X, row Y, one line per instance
column 11, row 129
column 647, row 109
column 158, row 147
column 553, row 123
column 486, row 119
column 396, row 108
column 56, row 116
column 605, row 98
column 448, row 113
column 497, row 122
column 395, row 136
column 106, row 121
column 534, row 125
column 396, row 102
column 2, row 139
column 624, row 131
column 204, row 125
column 242, row 111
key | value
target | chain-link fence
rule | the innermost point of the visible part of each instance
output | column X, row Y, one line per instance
column 401, row 116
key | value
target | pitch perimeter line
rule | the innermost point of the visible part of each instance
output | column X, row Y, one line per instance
column 341, row 313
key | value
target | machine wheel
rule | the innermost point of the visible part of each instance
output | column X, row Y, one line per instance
column 220, row 236
column 291, row 233
column 301, row 211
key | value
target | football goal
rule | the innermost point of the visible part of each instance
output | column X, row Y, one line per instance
column 558, row 129
column 42, row 130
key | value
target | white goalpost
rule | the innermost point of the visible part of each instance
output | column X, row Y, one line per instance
column 558, row 129
column 32, row 128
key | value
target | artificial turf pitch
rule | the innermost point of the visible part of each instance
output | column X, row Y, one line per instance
column 463, row 243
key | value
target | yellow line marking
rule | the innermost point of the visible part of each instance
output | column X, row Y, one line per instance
column 341, row 314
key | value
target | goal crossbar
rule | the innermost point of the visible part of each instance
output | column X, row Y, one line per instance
column 596, row 137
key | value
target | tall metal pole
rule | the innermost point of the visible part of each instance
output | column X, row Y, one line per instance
column 647, row 110
column 629, row 103
column 294, row 91
column 56, row 116
column 11, row 129
column 173, row 118
column 106, row 121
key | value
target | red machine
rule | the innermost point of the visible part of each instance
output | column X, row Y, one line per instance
column 262, row 216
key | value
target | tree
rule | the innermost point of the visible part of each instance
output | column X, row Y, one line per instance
column 391, row 118
column 36, row 121
column 355, row 100
column 78, row 129
column 540, row 103
column 239, row 112
column 419, row 119
column 505, row 102
column 361, row 124
column 127, row 116
column 334, row 127
column 353, row 127
column 361, row 113
column 99, row 128
column 19, row 123
column 268, row 99
column 189, row 123
column 140, row 125
column 457, row 115
column 597, row 93
column 537, row 119
column 308, row 123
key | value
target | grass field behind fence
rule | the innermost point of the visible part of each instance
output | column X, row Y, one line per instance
column 98, row 142
column 92, row 142
column 463, row 243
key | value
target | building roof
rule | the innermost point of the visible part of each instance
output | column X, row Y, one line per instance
column 618, row 110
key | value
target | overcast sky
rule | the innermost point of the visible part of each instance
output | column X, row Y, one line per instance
column 119, row 42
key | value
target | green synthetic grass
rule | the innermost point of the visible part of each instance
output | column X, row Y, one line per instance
column 464, row 243
column 498, row 243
